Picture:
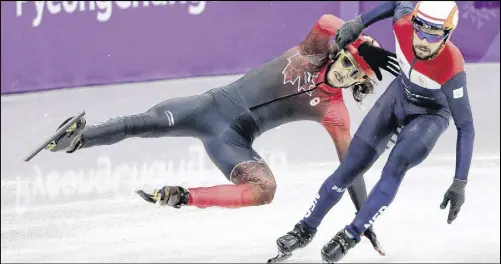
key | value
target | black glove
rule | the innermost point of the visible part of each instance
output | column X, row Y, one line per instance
column 455, row 194
column 369, row 234
column 349, row 32
column 379, row 58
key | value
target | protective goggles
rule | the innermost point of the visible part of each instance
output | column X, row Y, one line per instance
column 420, row 27
column 349, row 64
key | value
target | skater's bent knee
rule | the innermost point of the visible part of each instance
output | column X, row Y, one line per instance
column 259, row 175
column 265, row 192
column 396, row 168
column 389, row 185
column 404, row 158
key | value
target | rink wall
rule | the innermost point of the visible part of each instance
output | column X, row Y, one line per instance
column 60, row 44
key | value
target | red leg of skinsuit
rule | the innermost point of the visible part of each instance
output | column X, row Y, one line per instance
column 254, row 185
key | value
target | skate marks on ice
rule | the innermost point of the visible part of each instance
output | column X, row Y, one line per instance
column 127, row 229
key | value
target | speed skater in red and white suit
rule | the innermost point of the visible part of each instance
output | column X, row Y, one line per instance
column 430, row 90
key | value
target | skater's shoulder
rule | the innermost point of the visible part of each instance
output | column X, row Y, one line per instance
column 454, row 54
column 453, row 58
column 328, row 24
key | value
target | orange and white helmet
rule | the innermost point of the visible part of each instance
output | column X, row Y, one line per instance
column 436, row 14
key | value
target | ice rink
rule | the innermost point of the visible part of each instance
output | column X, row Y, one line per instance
column 81, row 208
column 125, row 229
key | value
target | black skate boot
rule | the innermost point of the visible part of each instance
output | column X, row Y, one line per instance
column 337, row 248
column 71, row 140
column 174, row 196
column 299, row 237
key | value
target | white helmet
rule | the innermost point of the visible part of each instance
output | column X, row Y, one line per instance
column 437, row 14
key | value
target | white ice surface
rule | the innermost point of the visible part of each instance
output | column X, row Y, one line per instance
column 125, row 229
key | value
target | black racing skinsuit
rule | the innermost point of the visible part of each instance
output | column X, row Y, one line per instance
column 227, row 119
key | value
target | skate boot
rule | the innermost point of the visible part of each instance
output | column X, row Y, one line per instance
column 337, row 248
column 299, row 237
column 174, row 196
column 71, row 140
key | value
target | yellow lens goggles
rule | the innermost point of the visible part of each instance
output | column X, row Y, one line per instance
column 349, row 65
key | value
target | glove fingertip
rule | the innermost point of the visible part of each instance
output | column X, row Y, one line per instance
column 378, row 74
column 444, row 203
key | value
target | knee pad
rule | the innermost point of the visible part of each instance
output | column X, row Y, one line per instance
column 389, row 184
column 259, row 176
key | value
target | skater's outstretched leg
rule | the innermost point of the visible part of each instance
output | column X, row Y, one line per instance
column 253, row 181
column 174, row 117
column 254, row 185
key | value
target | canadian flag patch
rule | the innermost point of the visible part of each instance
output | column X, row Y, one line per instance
column 457, row 93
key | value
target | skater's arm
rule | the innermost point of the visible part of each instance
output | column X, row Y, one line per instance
column 395, row 9
column 457, row 95
column 319, row 37
column 351, row 30
column 337, row 122
column 329, row 24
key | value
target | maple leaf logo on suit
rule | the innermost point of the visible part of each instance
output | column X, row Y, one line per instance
column 302, row 70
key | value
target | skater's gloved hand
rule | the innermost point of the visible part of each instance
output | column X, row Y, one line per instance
column 379, row 58
column 369, row 233
column 349, row 32
column 456, row 195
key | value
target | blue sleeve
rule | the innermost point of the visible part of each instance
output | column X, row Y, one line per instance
column 395, row 9
column 457, row 96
